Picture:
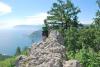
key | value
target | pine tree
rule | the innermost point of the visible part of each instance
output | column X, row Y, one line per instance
column 18, row 51
column 98, row 2
column 64, row 12
column 97, row 19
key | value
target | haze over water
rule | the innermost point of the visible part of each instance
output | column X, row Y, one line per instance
column 10, row 39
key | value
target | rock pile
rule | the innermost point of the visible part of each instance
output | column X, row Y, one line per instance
column 48, row 53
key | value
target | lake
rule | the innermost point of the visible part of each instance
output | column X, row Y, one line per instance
column 10, row 39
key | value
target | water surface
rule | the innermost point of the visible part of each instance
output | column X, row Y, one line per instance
column 10, row 39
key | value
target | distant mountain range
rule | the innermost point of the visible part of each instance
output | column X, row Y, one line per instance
column 36, row 36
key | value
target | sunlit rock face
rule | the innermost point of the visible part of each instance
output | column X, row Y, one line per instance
column 71, row 63
column 48, row 53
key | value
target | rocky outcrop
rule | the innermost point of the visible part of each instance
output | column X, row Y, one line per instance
column 72, row 63
column 48, row 53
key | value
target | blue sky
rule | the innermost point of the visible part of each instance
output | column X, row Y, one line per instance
column 27, row 12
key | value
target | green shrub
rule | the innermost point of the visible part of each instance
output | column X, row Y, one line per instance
column 87, row 57
column 10, row 62
column 83, row 45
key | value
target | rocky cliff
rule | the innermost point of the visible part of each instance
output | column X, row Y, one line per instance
column 48, row 53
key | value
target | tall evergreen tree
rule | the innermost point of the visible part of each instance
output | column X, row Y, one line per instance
column 18, row 51
column 64, row 12
column 98, row 2
column 97, row 19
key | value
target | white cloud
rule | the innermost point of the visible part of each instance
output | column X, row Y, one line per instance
column 86, row 21
column 4, row 9
column 36, row 19
column 7, row 24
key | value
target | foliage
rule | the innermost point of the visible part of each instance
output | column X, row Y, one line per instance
column 71, row 39
column 83, row 45
column 98, row 2
column 10, row 62
column 18, row 51
column 97, row 19
column 76, row 39
column 3, row 57
column 87, row 57
column 45, row 29
column 64, row 12
column 25, row 51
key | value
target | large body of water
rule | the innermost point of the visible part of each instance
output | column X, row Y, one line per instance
column 10, row 39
